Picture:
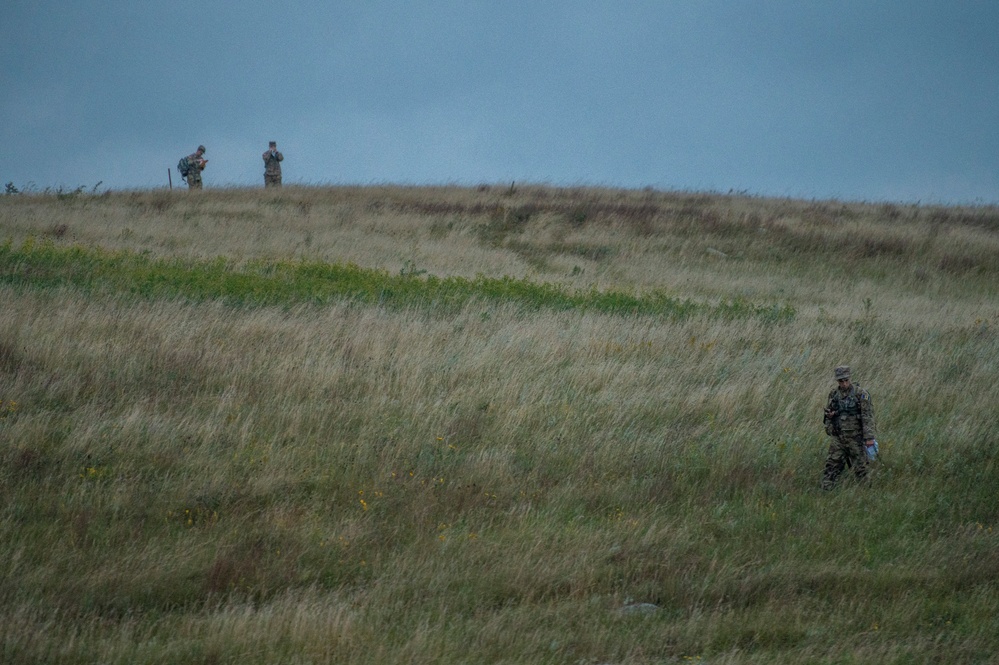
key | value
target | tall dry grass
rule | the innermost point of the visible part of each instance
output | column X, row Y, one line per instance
column 708, row 245
column 190, row 481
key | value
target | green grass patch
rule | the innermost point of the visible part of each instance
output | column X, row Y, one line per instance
column 45, row 265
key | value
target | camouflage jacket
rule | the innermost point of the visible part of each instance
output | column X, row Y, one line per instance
column 852, row 413
column 272, row 163
column 196, row 163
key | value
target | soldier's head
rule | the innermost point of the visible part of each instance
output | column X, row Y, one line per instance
column 201, row 149
column 843, row 376
column 272, row 144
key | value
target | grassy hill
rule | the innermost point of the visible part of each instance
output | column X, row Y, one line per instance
column 496, row 424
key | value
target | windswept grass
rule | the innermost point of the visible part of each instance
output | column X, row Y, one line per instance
column 343, row 451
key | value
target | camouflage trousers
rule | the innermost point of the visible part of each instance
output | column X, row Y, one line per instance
column 272, row 180
column 194, row 180
column 845, row 450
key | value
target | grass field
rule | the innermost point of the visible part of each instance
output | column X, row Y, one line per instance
column 497, row 424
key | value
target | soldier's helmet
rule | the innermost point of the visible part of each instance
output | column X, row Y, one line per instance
column 202, row 148
column 842, row 372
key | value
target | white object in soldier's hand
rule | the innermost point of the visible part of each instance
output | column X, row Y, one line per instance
column 872, row 449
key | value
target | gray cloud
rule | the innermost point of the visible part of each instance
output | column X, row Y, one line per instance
column 822, row 99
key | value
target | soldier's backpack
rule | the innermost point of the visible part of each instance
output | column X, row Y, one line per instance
column 184, row 166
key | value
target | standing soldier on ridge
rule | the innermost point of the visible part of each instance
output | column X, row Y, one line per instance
column 190, row 167
column 272, row 166
column 849, row 420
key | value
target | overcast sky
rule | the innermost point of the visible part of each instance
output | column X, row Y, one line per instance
column 851, row 100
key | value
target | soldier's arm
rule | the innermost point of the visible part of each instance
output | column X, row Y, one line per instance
column 867, row 417
column 829, row 413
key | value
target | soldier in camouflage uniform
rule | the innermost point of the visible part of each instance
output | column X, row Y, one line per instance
column 272, row 166
column 849, row 420
column 196, row 164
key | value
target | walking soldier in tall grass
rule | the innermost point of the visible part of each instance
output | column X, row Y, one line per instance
column 849, row 420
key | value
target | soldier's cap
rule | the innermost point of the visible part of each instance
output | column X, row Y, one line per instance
column 202, row 148
column 272, row 143
column 842, row 372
